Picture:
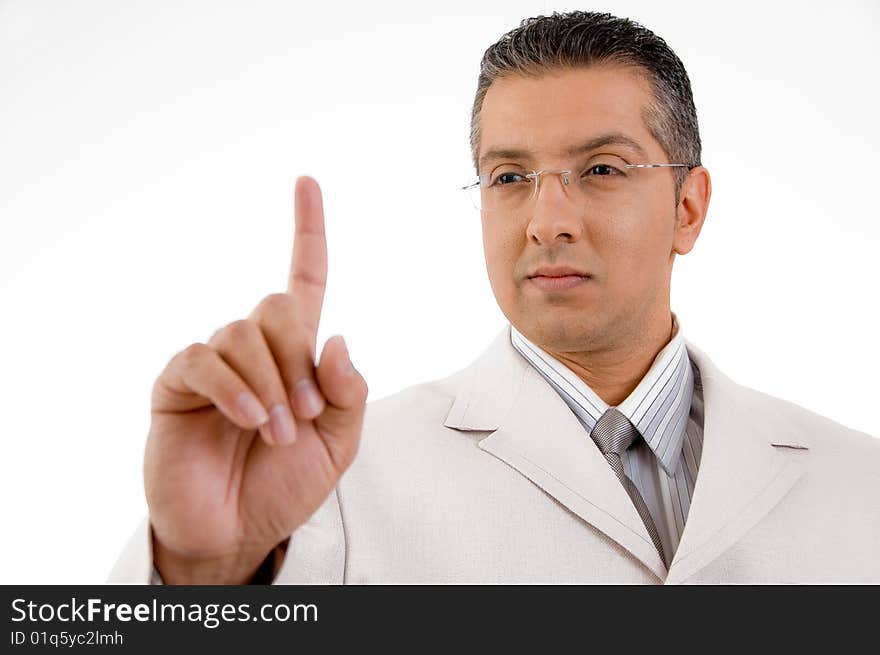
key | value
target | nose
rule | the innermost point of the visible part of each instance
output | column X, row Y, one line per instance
column 554, row 213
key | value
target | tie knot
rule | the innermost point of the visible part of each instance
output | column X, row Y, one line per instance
column 613, row 432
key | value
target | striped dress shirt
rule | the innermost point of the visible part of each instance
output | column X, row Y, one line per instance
column 666, row 407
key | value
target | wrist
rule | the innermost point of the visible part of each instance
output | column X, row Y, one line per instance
column 235, row 569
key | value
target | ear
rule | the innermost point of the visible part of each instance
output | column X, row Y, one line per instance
column 690, row 214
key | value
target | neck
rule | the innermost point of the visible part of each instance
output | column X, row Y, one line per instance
column 614, row 373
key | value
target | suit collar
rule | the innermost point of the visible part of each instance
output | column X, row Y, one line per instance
column 657, row 407
column 490, row 386
column 741, row 475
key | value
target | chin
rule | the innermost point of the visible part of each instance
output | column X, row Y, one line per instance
column 554, row 333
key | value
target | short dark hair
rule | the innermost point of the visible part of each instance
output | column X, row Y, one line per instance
column 581, row 39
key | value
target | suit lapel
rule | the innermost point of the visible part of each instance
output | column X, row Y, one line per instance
column 750, row 460
column 536, row 434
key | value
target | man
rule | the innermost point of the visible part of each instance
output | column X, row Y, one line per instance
column 590, row 442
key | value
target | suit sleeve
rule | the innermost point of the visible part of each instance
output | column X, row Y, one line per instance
column 135, row 564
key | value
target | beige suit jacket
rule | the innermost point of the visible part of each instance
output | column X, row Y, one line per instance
column 487, row 477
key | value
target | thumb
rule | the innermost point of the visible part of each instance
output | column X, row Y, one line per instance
column 346, row 393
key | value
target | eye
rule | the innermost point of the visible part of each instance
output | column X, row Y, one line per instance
column 602, row 170
column 507, row 178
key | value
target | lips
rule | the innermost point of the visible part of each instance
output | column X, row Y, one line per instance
column 558, row 282
column 557, row 271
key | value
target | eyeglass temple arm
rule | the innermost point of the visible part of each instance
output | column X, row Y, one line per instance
column 658, row 165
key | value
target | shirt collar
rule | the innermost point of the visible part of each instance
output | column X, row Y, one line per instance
column 658, row 407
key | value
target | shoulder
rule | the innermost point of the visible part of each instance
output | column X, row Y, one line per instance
column 824, row 436
column 424, row 403
column 781, row 419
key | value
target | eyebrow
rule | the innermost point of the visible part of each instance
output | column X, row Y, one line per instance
column 608, row 139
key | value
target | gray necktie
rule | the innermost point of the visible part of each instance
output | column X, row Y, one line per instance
column 614, row 433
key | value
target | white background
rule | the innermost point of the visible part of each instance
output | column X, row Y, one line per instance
column 147, row 157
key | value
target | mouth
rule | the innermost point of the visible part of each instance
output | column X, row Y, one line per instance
column 558, row 282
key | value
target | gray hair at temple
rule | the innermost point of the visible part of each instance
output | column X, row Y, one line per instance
column 581, row 39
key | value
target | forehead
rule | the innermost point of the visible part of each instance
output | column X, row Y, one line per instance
column 547, row 114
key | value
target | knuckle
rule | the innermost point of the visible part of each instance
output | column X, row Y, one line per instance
column 234, row 332
column 276, row 303
column 239, row 330
column 191, row 355
column 305, row 276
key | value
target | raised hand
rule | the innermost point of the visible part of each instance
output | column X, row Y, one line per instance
column 248, row 437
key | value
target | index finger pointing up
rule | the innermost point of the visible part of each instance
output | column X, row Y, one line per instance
column 308, row 266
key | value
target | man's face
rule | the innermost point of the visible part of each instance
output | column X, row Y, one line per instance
column 621, row 237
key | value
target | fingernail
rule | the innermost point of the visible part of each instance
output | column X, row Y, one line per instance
column 251, row 408
column 281, row 425
column 306, row 399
